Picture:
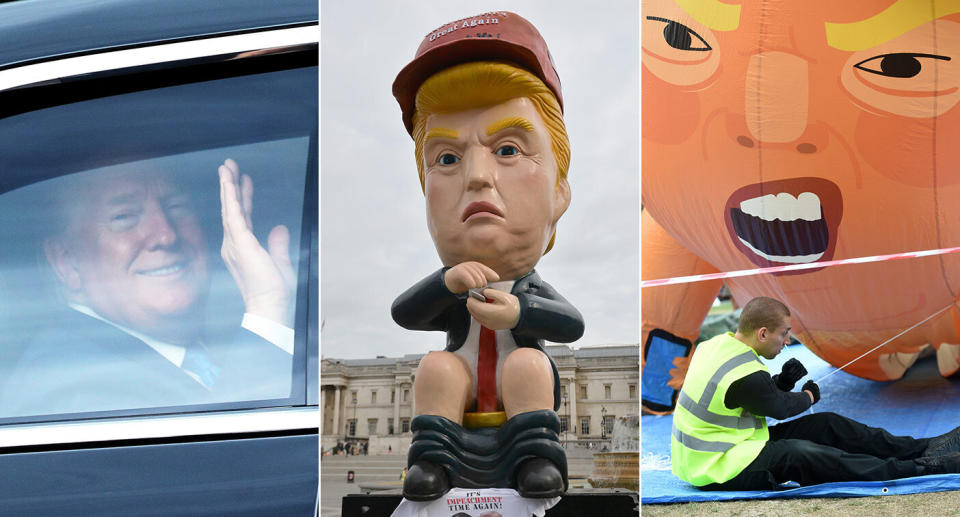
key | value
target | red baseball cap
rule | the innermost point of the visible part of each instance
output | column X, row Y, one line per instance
column 492, row 36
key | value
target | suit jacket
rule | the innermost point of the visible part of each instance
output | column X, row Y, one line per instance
column 82, row 364
column 544, row 314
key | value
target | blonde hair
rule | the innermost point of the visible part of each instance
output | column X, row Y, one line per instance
column 487, row 83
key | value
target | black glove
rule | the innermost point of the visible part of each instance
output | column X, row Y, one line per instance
column 812, row 388
column 792, row 372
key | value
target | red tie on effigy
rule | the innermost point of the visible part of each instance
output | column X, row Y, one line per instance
column 487, row 371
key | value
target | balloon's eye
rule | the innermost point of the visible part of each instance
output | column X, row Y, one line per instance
column 681, row 37
column 900, row 65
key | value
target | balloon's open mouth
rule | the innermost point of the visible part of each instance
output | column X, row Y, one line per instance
column 782, row 228
column 791, row 221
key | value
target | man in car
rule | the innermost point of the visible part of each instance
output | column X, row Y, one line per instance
column 131, row 261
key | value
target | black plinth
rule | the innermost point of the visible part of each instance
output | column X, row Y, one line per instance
column 577, row 502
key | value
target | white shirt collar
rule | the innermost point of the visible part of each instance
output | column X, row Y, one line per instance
column 171, row 352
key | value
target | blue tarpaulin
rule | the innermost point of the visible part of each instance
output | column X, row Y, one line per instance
column 920, row 404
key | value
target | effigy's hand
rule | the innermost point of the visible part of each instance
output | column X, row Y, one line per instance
column 500, row 312
column 265, row 278
column 468, row 275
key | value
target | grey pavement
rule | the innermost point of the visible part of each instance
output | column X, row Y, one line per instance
column 367, row 469
column 385, row 470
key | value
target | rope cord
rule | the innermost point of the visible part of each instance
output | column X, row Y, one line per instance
column 915, row 325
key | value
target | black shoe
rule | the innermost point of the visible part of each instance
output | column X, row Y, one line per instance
column 425, row 481
column 944, row 464
column 944, row 444
column 539, row 478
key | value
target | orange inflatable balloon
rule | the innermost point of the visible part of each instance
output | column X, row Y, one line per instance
column 778, row 132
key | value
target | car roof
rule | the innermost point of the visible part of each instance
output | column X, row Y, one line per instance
column 39, row 30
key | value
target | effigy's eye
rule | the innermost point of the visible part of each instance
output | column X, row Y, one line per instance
column 448, row 159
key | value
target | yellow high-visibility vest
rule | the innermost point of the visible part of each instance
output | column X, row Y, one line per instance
column 711, row 443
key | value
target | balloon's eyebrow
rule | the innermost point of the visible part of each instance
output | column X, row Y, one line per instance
column 880, row 28
column 712, row 13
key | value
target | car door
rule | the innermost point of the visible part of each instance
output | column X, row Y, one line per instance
column 113, row 276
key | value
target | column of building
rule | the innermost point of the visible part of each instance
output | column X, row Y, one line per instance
column 336, row 411
column 573, row 423
column 397, row 393
column 413, row 402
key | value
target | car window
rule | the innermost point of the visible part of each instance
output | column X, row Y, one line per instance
column 157, row 243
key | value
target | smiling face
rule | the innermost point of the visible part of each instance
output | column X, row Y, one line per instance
column 806, row 134
column 134, row 252
column 491, row 186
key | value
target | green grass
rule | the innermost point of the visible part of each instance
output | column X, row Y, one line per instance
column 723, row 308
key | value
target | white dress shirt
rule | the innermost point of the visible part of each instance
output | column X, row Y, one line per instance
column 471, row 345
column 280, row 335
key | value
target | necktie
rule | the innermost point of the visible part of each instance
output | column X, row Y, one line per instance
column 197, row 362
column 487, row 371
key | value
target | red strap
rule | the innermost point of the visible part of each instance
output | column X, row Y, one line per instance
column 487, row 371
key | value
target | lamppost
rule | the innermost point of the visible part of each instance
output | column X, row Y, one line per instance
column 603, row 422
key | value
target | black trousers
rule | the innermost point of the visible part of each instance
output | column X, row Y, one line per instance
column 826, row 447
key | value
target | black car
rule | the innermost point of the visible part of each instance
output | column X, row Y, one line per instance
column 142, row 371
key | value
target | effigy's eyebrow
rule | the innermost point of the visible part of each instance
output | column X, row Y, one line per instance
column 517, row 122
column 713, row 14
column 441, row 132
column 893, row 21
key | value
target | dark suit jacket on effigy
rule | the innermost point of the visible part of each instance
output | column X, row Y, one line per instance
column 544, row 315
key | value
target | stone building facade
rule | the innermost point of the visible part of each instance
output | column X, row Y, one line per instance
column 371, row 400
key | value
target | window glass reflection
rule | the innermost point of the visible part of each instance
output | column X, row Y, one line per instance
column 153, row 283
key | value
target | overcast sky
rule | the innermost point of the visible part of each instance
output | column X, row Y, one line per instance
column 374, row 242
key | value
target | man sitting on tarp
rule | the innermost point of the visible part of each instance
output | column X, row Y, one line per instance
column 721, row 441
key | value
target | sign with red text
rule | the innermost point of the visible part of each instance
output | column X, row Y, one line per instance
column 487, row 502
